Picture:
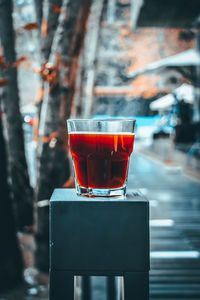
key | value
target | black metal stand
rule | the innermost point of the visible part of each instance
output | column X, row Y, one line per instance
column 101, row 237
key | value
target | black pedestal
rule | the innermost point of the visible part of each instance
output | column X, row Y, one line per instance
column 105, row 237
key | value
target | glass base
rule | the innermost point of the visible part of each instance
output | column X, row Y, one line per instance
column 91, row 192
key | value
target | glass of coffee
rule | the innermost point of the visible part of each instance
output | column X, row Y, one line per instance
column 100, row 152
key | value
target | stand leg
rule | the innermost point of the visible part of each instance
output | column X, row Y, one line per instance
column 86, row 288
column 61, row 285
column 111, row 291
column 120, row 286
column 136, row 286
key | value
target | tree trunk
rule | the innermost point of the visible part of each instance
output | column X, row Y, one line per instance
column 90, row 56
column 51, row 11
column 76, row 109
column 38, row 9
column 47, row 12
column 53, row 166
column 11, row 265
column 22, row 192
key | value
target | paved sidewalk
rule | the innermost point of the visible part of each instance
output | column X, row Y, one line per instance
column 163, row 151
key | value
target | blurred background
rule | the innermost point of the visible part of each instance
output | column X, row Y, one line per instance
column 63, row 59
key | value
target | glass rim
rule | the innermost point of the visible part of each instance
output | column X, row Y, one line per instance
column 102, row 120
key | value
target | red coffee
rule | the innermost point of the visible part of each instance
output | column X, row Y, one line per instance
column 101, row 159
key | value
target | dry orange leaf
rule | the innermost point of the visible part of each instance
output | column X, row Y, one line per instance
column 69, row 183
column 47, row 139
column 49, row 72
column 4, row 82
column 123, row 1
column 1, row 60
column 26, row 65
column 30, row 26
column 44, row 28
column 169, row 161
column 19, row 61
column 56, row 8
column 1, row 51
column 54, row 134
column 4, row 65
column 40, row 93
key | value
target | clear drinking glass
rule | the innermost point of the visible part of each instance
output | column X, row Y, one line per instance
column 100, row 151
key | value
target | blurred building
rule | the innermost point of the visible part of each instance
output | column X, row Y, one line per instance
column 127, row 46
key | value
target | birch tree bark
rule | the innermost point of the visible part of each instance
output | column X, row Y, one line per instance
column 50, row 13
column 22, row 192
column 76, row 108
column 38, row 9
column 53, row 166
column 90, row 55
column 47, row 12
column 10, row 257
